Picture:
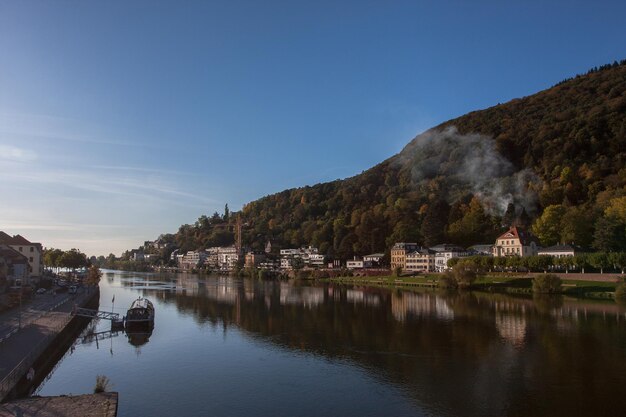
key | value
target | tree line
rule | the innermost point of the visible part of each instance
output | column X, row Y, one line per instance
column 70, row 259
column 600, row 261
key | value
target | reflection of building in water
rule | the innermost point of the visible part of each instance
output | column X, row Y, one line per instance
column 248, row 289
column 224, row 291
column 406, row 304
column 187, row 284
column 511, row 327
column 362, row 297
column 305, row 296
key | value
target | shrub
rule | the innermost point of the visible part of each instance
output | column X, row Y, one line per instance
column 620, row 292
column 465, row 273
column 547, row 284
column 447, row 280
column 397, row 271
column 102, row 384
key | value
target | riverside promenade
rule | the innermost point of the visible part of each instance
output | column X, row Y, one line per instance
column 41, row 322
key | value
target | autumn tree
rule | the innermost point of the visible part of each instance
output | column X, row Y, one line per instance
column 93, row 276
column 548, row 226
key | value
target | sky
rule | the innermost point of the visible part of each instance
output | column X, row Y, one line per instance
column 122, row 120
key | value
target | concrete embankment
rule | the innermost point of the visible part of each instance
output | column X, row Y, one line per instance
column 90, row 405
column 28, row 355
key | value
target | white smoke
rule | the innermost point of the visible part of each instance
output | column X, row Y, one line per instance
column 470, row 163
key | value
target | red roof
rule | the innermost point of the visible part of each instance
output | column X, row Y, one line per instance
column 15, row 240
column 514, row 233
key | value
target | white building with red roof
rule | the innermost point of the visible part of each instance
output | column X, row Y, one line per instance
column 515, row 242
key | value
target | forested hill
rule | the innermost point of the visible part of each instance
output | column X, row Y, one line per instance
column 554, row 160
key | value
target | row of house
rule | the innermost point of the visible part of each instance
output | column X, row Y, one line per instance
column 410, row 257
column 514, row 242
column 307, row 256
column 368, row 261
column 20, row 259
column 414, row 258
column 221, row 258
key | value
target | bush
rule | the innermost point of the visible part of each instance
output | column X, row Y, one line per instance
column 465, row 273
column 397, row 271
column 620, row 292
column 547, row 284
column 102, row 384
column 447, row 280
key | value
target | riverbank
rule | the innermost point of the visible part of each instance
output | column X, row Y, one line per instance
column 593, row 286
column 28, row 355
column 90, row 405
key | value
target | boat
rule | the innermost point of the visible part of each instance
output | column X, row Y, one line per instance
column 140, row 314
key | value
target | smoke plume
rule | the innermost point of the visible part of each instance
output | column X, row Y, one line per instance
column 470, row 163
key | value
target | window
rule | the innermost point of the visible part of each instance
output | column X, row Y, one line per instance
column 21, row 249
column 30, row 259
column 32, row 249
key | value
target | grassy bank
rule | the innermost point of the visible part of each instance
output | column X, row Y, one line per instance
column 514, row 284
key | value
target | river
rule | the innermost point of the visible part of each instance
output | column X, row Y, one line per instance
column 237, row 347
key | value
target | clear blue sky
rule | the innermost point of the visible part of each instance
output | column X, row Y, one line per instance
column 120, row 120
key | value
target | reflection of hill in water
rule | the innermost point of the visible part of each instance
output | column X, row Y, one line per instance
column 462, row 354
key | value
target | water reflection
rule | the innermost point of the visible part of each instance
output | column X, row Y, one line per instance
column 453, row 354
column 138, row 339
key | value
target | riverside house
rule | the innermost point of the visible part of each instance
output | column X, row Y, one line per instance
column 445, row 252
column 32, row 252
column 13, row 267
column 560, row 251
column 420, row 260
column 515, row 242
column 399, row 252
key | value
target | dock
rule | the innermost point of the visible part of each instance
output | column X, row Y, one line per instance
column 90, row 405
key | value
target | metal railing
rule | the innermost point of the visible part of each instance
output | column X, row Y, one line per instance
column 25, row 323
column 8, row 383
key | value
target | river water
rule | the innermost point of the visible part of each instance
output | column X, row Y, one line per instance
column 237, row 347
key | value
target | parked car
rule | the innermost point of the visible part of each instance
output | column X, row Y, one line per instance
column 72, row 289
column 41, row 291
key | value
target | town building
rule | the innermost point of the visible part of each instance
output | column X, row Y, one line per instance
column 14, row 267
column 481, row 249
column 227, row 258
column 373, row 260
column 315, row 260
column 445, row 252
column 308, row 256
column 212, row 260
column 355, row 263
column 515, row 242
column 192, row 260
column 420, row 260
column 32, row 251
column 560, row 251
column 150, row 257
column 254, row 259
column 399, row 252
column 137, row 256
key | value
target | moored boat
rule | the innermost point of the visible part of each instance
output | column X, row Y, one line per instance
column 140, row 314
